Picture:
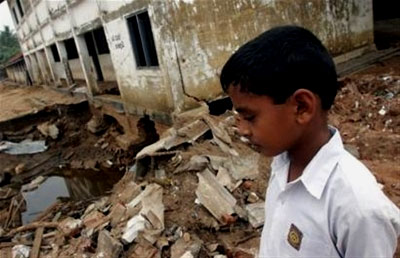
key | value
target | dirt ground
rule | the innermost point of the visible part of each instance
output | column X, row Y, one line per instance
column 367, row 113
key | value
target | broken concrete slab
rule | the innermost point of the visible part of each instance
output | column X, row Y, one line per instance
column 217, row 161
column 196, row 163
column 150, row 217
column 244, row 167
column 256, row 214
column 187, row 134
column 181, row 248
column 212, row 195
column 25, row 147
column 218, row 130
column 107, row 246
column 226, row 179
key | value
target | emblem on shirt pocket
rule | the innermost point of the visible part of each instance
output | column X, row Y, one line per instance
column 294, row 237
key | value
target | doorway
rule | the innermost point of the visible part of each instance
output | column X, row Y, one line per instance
column 386, row 23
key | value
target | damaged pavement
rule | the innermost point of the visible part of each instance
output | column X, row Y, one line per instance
column 196, row 189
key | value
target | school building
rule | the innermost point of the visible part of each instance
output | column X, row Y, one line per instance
column 163, row 57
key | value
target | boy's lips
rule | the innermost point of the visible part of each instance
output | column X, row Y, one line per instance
column 251, row 143
column 255, row 146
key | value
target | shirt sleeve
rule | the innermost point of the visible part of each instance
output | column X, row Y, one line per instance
column 371, row 233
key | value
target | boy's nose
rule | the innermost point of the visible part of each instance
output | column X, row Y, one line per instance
column 243, row 128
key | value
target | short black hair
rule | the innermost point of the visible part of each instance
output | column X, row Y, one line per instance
column 280, row 61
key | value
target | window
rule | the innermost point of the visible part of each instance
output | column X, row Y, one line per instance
column 54, row 51
column 20, row 8
column 15, row 15
column 72, row 52
column 142, row 40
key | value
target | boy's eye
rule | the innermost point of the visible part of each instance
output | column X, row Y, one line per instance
column 249, row 118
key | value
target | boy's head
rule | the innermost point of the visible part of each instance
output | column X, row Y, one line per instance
column 281, row 83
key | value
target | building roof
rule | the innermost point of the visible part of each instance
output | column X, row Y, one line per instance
column 14, row 59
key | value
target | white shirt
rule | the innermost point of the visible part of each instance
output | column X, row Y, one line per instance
column 336, row 208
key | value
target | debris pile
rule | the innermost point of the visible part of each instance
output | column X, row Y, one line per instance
column 191, row 193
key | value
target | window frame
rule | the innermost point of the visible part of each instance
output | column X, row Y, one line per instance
column 135, row 15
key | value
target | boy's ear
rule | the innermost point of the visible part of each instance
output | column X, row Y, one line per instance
column 305, row 104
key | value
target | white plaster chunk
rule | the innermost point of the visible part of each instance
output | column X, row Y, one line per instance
column 20, row 251
column 244, row 168
column 256, row 214
column 217, row 200
column 133, row 227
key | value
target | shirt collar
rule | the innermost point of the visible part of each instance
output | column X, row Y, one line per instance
column 318, row 170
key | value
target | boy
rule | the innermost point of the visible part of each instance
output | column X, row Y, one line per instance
column 321, row 201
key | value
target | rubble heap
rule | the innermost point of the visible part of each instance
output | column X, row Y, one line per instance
column 192, row 193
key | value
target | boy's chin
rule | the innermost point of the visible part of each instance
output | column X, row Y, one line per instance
column 267, row 152
column 264, row 150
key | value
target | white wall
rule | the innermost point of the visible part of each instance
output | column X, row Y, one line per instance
column 76, row 69
column 107, row 67
column 59, row 70
column 84, row 12
column 141, row 89
column 42, row 12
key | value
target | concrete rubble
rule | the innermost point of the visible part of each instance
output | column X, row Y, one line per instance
column 49, row 130
column 135, row 220
column 24, row 147
column 20, row 251
column 256, row 214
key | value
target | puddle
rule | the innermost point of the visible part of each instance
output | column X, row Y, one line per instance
column 75, row 185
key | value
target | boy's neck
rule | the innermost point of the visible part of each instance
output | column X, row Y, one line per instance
column 305, row 150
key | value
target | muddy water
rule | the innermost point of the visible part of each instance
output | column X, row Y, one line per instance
column 77, row 185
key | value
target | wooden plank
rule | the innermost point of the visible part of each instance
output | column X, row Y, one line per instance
column 35, row 252
column 34, row 225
